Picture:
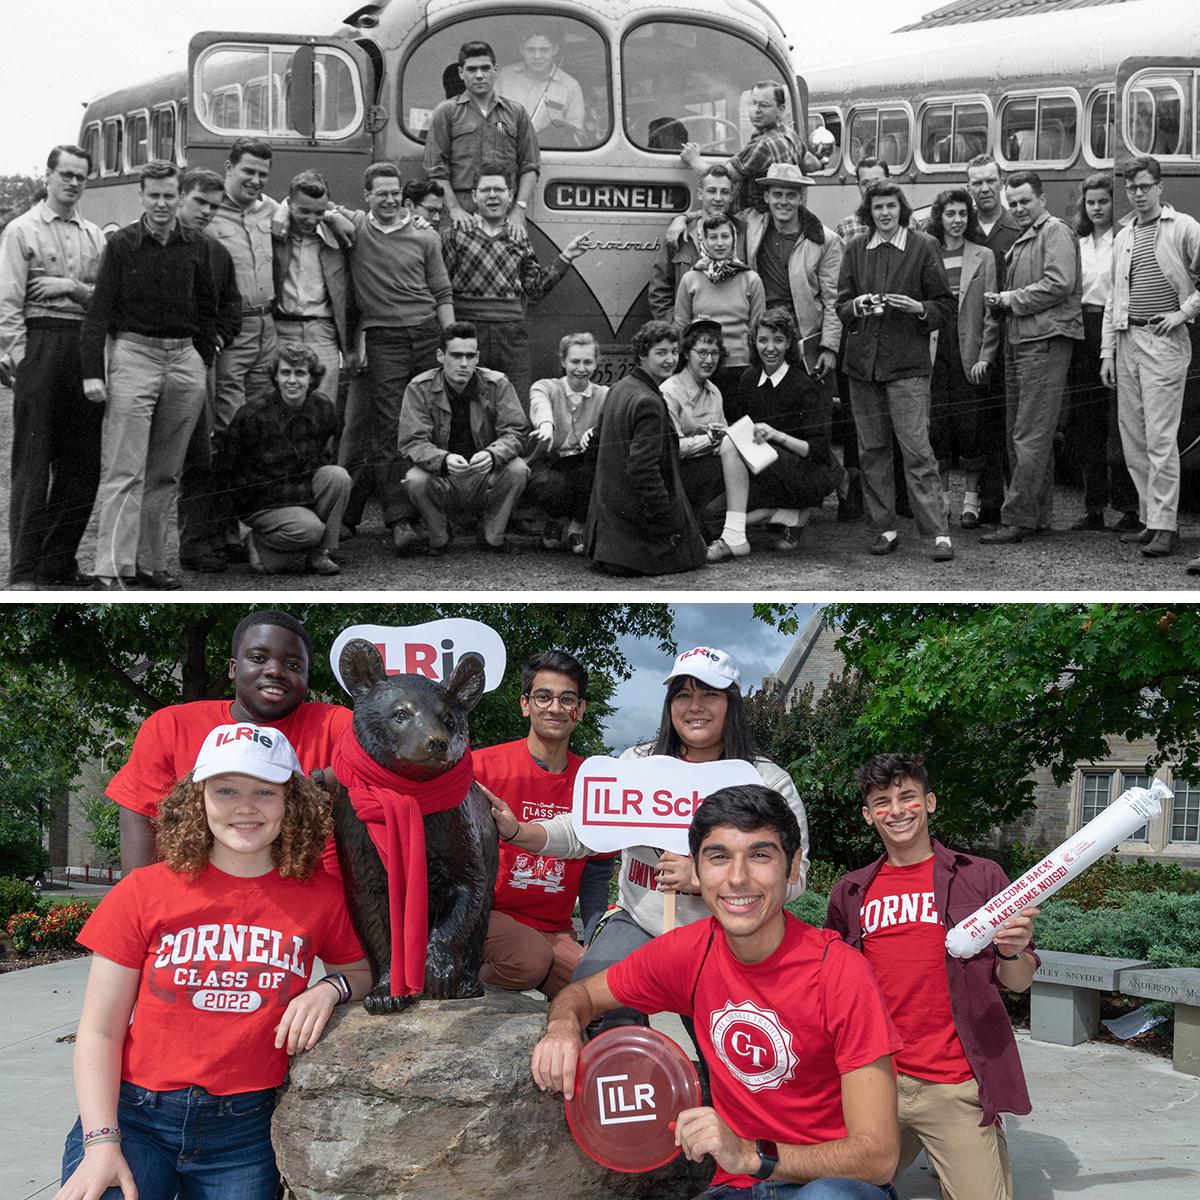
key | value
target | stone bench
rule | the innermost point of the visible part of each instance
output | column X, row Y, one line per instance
column 1181, row 987
column 1064, row 1006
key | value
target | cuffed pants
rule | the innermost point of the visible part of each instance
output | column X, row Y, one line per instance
column 1035, row 376
column 284, row 534
column 971, row 1160
column 899, row 406
column 155, row 394
column 517, row 958
column 1151, row 373
column 55, row 456
column 394, row 356
column 492, row 494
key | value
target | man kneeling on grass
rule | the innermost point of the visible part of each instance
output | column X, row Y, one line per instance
column 788, row 1018
column 278, row 463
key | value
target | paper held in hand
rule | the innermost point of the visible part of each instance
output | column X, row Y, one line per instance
column 622, row 802
column 757, row 455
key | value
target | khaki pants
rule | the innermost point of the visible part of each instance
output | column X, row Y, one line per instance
column 284, row 534
column 518, row 958
column 1151, row 373
column 321, row 338
column 971, row 1160
column 155, row 395
column 491, row 494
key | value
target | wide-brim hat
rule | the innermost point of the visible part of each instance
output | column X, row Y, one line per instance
column 787, row 175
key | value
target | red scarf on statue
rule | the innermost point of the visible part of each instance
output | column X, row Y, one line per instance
column 392, row 808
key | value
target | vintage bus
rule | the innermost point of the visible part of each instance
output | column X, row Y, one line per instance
column 651, row 77
column 1068, row 90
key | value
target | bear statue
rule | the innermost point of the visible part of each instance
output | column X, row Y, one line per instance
column 415, row 837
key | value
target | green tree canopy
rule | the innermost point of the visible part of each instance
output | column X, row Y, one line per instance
column 81, row 678
column 990, row 692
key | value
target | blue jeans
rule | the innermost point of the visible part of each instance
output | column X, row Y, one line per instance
column 190, row 1144
column 819, row 1189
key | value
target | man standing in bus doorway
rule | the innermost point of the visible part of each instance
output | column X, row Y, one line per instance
column 1000, row 229
column 680, row 249
column 892, row 294
column 480, row 125
column 1042, row 297
column 771, row 142
column 551, row 97
column 1146, row 347
column 49, row 260
column 154, row 299
column 200, row 527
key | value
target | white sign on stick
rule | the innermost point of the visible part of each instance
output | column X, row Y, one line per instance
column 432, row 649
column 620, row 802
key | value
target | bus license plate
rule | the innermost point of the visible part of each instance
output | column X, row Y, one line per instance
column 613, row 362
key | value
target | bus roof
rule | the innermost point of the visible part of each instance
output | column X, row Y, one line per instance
column 1063, row 44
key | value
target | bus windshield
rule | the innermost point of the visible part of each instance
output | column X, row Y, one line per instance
column 690, row 83
column 557, row 68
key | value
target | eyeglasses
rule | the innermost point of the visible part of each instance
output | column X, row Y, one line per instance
column 432, row 214
column 706, row 353
column 1141, row 189
column 70, row 176
column 542, row 700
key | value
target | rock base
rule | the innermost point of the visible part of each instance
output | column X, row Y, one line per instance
column 437, row 1102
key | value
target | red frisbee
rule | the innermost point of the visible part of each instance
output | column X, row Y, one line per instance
column 630, row 1085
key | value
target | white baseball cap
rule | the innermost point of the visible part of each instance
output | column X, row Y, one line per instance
column 710, row 666
column 245, row 749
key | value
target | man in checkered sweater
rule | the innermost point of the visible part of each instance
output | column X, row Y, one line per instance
column 494, row 270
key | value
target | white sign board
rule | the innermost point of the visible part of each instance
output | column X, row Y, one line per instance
column 432, row 649
column 620, row 802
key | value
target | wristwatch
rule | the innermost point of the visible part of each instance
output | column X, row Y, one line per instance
column 768, row 1158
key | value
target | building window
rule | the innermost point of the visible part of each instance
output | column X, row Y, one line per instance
column 1096, row 794
column 1130, row 779
column 1185, row 812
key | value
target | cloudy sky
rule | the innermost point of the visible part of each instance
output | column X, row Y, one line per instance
column 757, row 649
column 55, row 58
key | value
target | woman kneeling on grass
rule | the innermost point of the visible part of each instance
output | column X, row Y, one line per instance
column 210, row 951
column 791, row 412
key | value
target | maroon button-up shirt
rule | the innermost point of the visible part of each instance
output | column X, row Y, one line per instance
column 961, row 883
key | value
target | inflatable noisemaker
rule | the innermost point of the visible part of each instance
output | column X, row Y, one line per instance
column 1130, row 810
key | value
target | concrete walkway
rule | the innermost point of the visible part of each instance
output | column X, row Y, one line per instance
column 1109, row 1123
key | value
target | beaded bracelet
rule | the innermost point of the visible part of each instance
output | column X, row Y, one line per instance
column 106, row 1133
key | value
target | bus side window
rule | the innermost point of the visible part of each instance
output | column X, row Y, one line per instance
column 1100, row 121
column 137, row 133
column 91, row 143
column 1153, row 121
column 162, row 133
column 110, row 161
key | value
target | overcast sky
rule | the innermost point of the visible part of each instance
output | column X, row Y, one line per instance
column 757, row 649
column 54, row 58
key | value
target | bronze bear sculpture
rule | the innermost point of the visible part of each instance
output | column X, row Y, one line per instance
column 417, row 731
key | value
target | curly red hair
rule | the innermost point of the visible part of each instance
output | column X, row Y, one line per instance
column 184, row 839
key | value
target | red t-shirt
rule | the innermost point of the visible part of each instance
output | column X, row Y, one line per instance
column 904, row 940
column 220, row 959
column 534, row 889
column 777, row 1035
column 166, row 746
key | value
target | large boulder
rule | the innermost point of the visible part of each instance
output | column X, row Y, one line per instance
column 437, row 1101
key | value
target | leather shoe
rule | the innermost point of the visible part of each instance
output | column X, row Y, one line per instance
column 970, row 520
column 1193, row 567
column 720, row 550
column 942, row 551
column 787, row 539
column 1007, row 535
column 1128, row 521
column 161, row 581
column 1162, row 544
column 1138, row 538
column 404, row 537
column 207, row 563
column 884, row 545
column 1090, row 521
column 320, row 563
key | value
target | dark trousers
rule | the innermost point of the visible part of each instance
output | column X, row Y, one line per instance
column 504, row 346
column 1092, row 433
column 394, row 356
column 55, row 455
column 562, row 486
column 954, row 408
column 993, row 438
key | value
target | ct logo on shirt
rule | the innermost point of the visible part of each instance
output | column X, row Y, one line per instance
column 754, row 1045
